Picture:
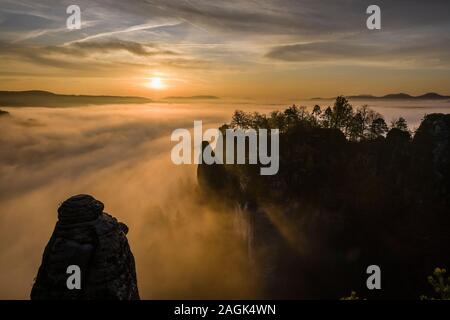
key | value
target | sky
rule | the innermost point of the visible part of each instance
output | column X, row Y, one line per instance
column 261, row 50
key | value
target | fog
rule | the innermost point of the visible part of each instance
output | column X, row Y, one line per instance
column 184, row 245
column 121, row 155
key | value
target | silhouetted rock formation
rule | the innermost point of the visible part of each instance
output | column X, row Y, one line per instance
column 432, row 151
column 96, row 242
column 382, row 201
column 4, row 113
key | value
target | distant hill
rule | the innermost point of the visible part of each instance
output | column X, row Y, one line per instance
column 432, row 95
column 192, row 98
column 396, row 96
column 37, row 98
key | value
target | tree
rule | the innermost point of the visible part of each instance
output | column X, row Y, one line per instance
column 326, row 117
column 292, row 115
column 316, row 111
column 400, row 123
column 277, row 120
column 259, row 121
column 315, row 115
column 357, row 127
column 367, row 116
column 378, row 127
column 440, row 283
column 241, row 120
column 342, row 113
column 359, row 123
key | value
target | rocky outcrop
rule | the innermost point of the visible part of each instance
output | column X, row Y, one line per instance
column 94, row 241
column 4, row 113
column 337, row 206
column 432, row 151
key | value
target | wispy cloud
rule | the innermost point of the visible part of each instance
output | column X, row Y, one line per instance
column 402, row 52
column 140, row 27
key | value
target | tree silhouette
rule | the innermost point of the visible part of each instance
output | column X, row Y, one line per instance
column 378, row 128
column 400, row 123
column 327, row 117
column 362, row 123
column 241, row 120
column 342, row 113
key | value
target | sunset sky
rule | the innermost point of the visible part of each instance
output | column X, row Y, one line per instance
column 253, row 49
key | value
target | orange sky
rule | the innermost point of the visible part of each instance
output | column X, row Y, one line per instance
column 261, row 50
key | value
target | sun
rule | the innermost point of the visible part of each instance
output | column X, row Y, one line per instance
column 156, row 83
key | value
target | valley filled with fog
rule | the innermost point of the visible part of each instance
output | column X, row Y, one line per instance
column 120, row 154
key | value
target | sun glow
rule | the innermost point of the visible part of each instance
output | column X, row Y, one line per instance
column 156, row 83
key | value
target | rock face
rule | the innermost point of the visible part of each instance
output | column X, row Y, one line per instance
column 335, row 206
column 432, row 150
column 94, row 241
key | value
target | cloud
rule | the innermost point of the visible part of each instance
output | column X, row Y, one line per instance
column 105, row 56
column 139, row 49
column 320, row 51
column 235, row 19
column 301, row 17
column 141, row 27
column 404, row 51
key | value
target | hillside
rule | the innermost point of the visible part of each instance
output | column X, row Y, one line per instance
column 35, row 98
column 395, row 96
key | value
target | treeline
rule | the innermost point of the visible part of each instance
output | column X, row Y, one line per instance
column 357, row 124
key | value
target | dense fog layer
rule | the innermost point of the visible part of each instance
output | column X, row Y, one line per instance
column 121, row 155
